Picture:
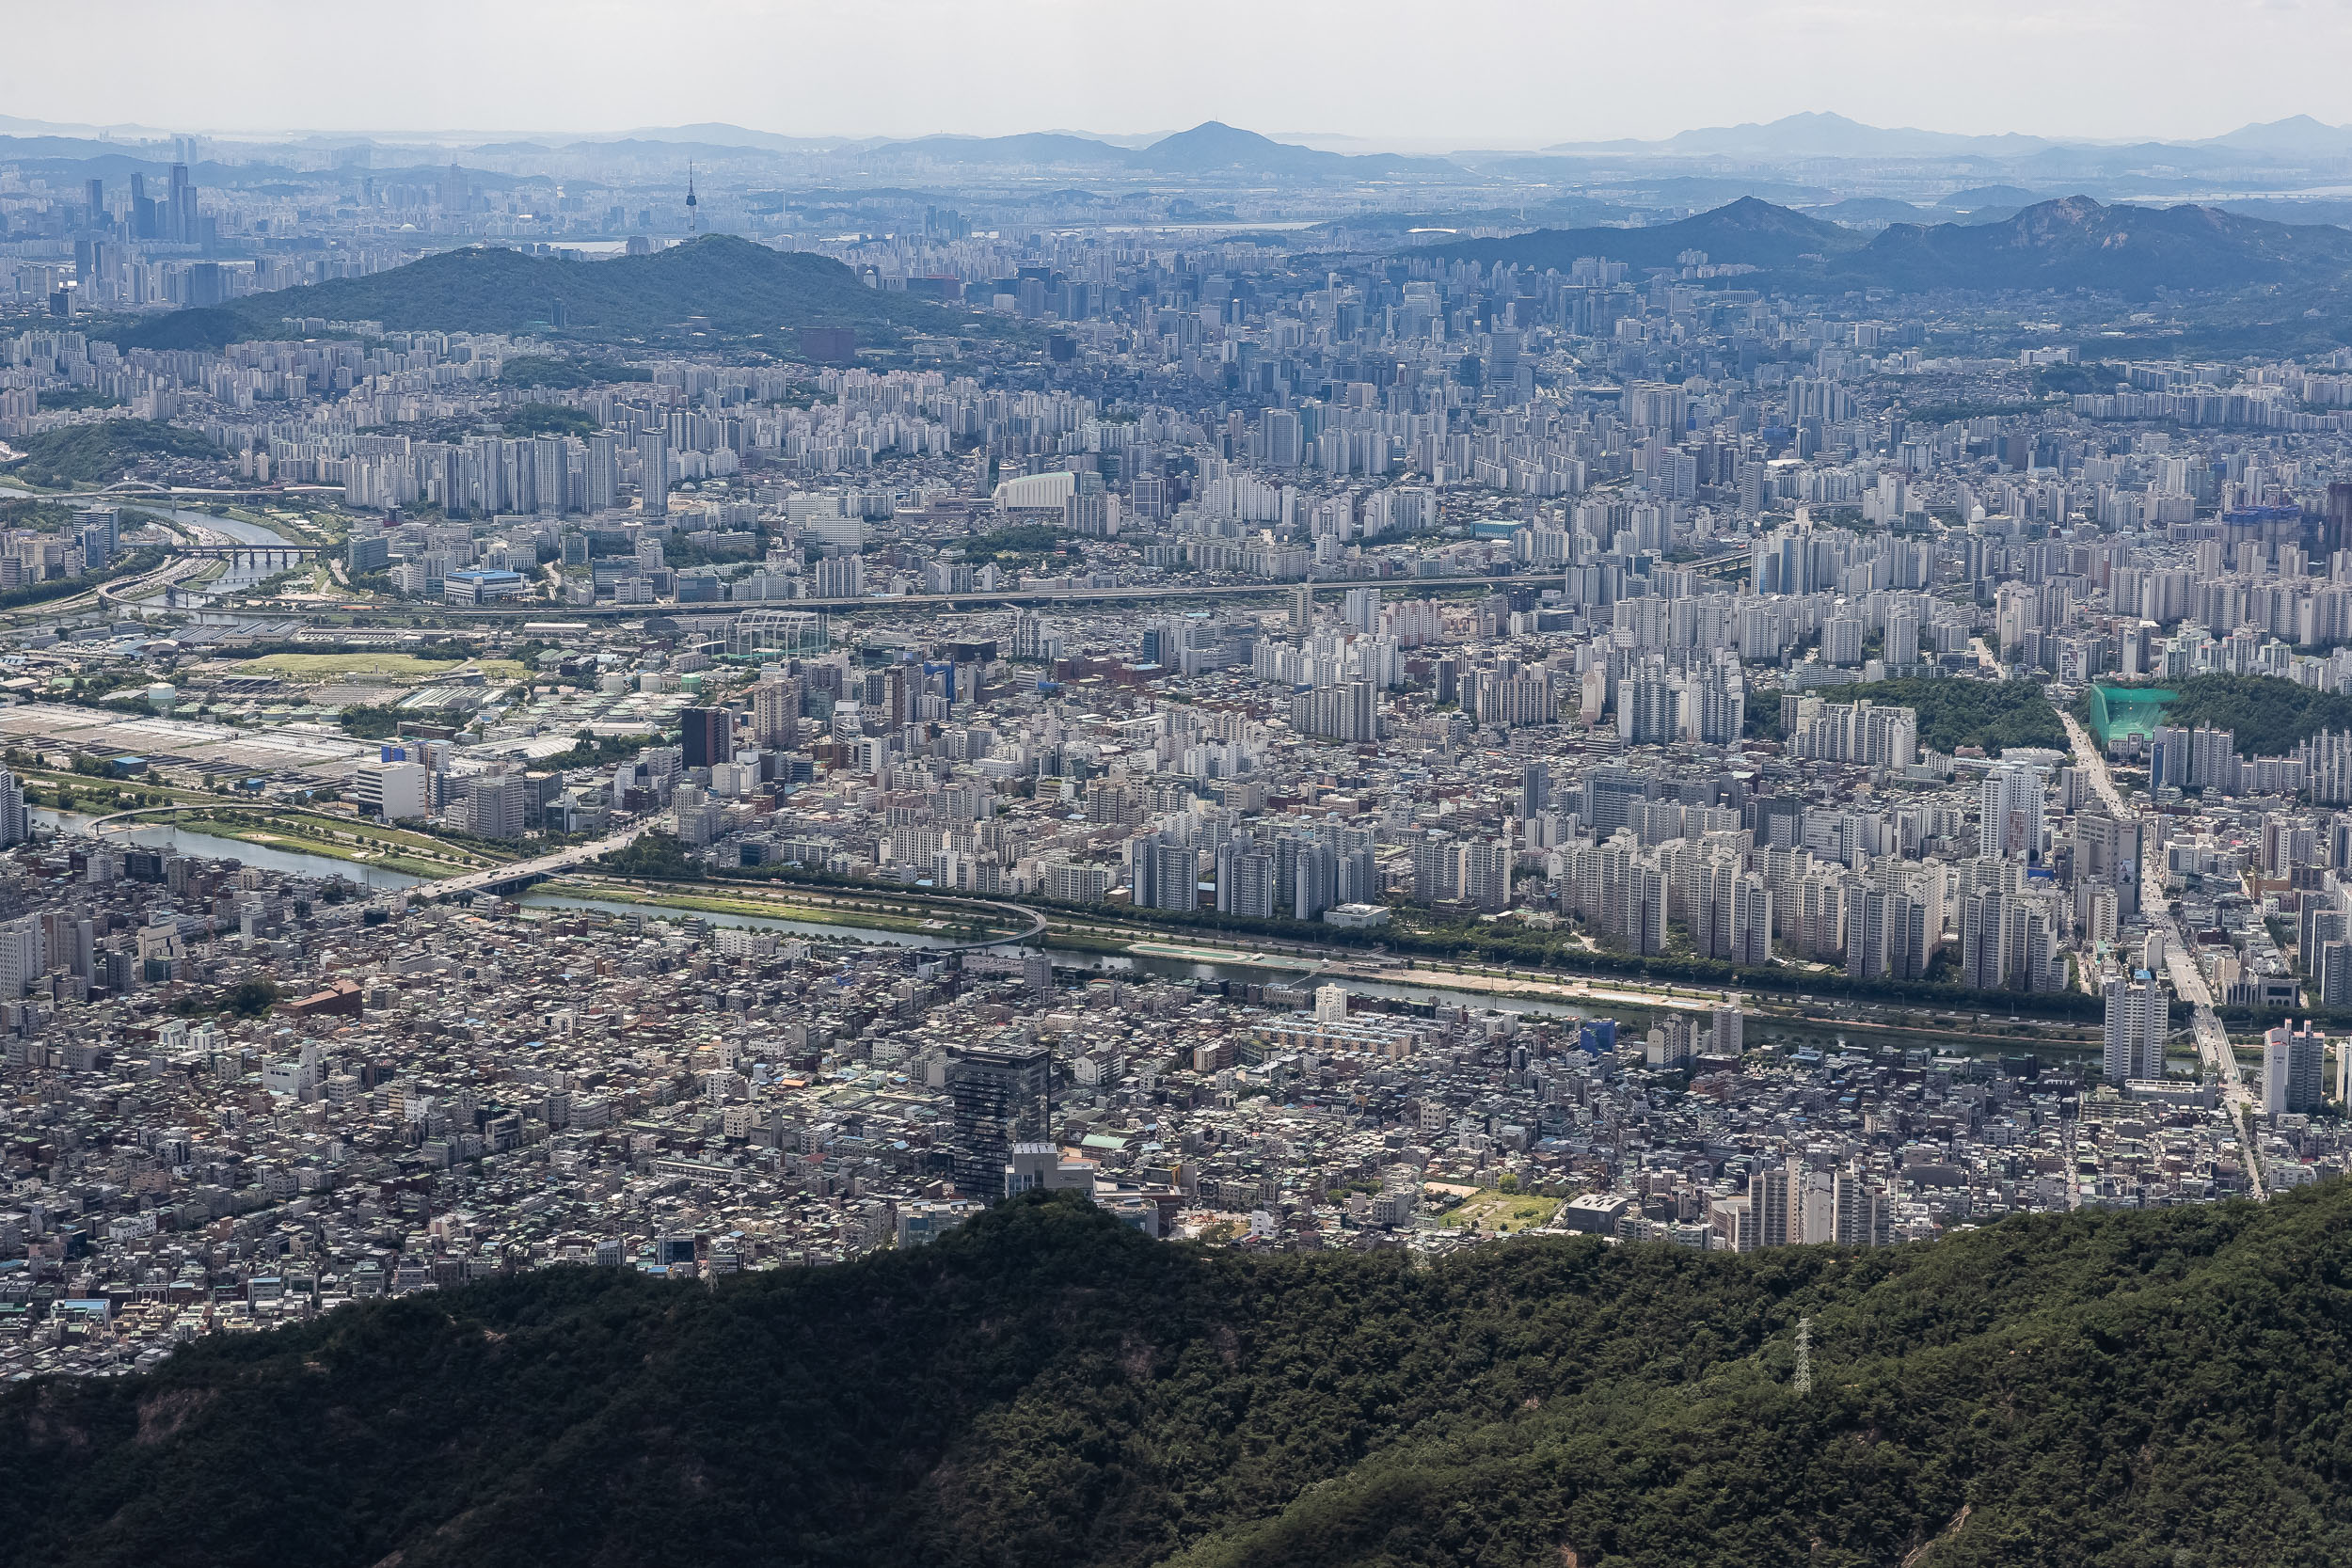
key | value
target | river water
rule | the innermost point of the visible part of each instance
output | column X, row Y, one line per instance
column 1107, row 964
column 164, row 835
column 237, row 575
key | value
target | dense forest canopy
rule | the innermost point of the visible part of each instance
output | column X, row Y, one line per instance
column 741, row 290
column 2093, row 1390
column 1953, row 712
column 2268, row 717
column 100, row 452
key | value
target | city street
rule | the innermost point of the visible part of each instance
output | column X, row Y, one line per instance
column 2213, row 1040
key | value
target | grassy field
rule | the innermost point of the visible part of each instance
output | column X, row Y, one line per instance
column 363, row 844
column 1500, row 1213
column 391, row 667
column 245, row 829
column 402, row 668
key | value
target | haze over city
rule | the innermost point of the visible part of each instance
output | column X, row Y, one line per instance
column 1516, row 74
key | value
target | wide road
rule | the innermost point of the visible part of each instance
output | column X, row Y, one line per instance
column 2213, row 1040
column 1005, row 598
column 211, row 533
column 1560, row 984
column 890, row 899
column 539, row 610
column 546, row 866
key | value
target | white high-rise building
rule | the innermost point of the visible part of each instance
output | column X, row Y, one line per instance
column 1865, row 1215
column 1903, row 638
column 389, row 791
column 1816, row 1204
column 2138, row 1014
column 21, row 955
column 1485, row 876
column 1714, row 919
column 2010, row 812
column 1768, row 1201
column 1751, row 925
column 2291, row 1070
column 603, row 474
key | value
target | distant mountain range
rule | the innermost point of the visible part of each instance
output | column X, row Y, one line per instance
column 2075, row 243
column 1793, row 159
column 14, row 126
column 1816, row 135
column 2298, row 139
column 717, row 134
column 1748, row 232
column 2070, row 243
column 1034, row 147
column 2296, row 136
column 1214, row 145
column 1209, row 147
column 741, row 289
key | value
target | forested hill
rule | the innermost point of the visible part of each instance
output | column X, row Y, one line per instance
column 2070, row 242
column 2269, row 717
column 740, row 289
column 1045, row 1388
column 1953, row 711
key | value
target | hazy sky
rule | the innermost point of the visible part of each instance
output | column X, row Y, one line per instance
column 1451, row 73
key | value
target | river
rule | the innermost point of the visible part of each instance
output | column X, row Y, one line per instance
column 237, row 574
column 164, row 835
column 1099, row 963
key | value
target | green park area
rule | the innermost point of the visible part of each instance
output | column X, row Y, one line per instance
column 1500, row 1214
column 399, row 669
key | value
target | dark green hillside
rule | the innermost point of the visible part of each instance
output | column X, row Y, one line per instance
column 546, row 419
column 1045, row 1388
column 1953, row 712
column 2072, row 243
column 742, row 288
column 2075, row 243
column 2267, row 716
column 539, row 370
column 102, row 452
column 1747, row 231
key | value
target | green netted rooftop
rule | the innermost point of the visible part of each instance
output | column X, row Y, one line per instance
column 2126, row 710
